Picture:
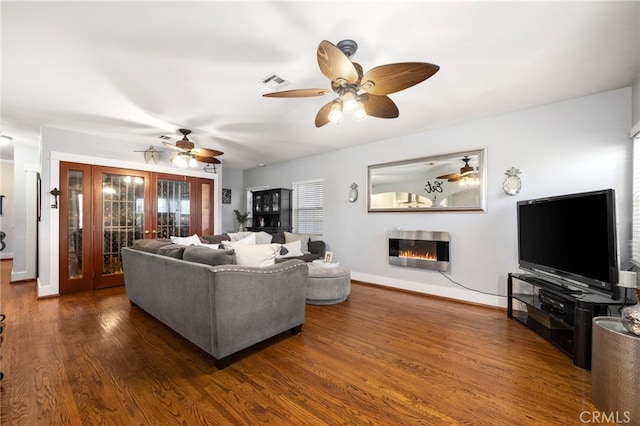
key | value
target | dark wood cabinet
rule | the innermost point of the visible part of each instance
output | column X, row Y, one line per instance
column 271, row 210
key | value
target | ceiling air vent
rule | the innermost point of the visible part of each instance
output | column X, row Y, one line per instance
column 165, row 137
column 274, row 81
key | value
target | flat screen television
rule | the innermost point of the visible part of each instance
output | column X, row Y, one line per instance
column 572, row 238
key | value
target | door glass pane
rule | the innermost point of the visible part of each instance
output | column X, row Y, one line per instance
column 174, row 205
column 122, row 217
column 75, row 184
column 205, row 191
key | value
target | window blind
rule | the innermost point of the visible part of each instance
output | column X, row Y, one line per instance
column 635, row 221
column 308, row 202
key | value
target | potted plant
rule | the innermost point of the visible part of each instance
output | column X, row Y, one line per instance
column 242, row 219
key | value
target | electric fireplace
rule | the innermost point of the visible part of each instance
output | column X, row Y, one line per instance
column 419, row 249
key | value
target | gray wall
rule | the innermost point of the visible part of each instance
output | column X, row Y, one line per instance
column 6, row 219
column 573, row 146
column 232, row 179
column 635, row 106
column 25, row 169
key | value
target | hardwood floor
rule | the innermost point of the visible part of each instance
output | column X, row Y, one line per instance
column 383, row 357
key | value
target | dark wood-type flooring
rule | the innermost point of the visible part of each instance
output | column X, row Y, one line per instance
column 384, row 357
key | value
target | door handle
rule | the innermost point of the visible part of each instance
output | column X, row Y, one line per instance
column 146, row 232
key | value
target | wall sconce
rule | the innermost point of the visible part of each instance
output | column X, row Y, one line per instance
column 512, row 183
column 353, row 193
column 55, row 192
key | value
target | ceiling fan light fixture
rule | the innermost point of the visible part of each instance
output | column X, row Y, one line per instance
column 192, row 162
column 349, row 100
column 335, row 114
column 359, row 112
column 179, row 161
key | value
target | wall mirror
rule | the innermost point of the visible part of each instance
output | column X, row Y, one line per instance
column 448, row 182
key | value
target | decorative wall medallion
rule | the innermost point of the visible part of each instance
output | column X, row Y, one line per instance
column 512, row 183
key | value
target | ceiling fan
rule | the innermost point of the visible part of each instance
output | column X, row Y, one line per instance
column 466, row 171
column 359, row 93
column 187, row 155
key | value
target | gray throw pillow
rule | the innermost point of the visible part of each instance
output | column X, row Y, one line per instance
column 208, row 256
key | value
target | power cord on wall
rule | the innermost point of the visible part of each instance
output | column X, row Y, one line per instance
column 469, row 288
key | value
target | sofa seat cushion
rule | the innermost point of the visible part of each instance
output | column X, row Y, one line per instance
column 310, row 257
column 208, row 256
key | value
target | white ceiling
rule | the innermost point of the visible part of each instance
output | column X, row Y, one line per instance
column 136, row 70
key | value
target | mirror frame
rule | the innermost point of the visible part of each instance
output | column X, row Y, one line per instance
column 433, row 160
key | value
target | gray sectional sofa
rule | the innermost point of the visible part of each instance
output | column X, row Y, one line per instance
column 217, row 305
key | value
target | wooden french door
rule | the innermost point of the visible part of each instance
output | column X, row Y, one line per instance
column 121, row 214
column 103, row 209
column 76, row 268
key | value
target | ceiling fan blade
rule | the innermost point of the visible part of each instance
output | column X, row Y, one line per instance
column 322, row 117
column 297, row 93
column 334, row 64
column 210, row 160
column 448, row 176
column 381, row 107
column 173, row 147
column 204, row 152
column 392, row 78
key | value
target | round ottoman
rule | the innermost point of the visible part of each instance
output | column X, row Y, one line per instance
column 328, row 285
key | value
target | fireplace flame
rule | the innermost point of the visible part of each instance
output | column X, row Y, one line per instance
column 417, row 254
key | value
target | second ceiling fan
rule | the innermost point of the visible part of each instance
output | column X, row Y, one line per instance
column 187, row 155
column 359, row 93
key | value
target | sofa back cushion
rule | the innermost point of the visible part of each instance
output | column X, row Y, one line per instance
column 150, row 246
column 208, row 256
column 172, row 250
column 278, row 238
column 214, row 239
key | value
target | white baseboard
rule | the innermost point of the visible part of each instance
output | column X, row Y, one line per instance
column 434, row 290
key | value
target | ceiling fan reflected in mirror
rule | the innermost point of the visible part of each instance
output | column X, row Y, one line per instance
column 468, row 175
column 185, row 154
column 359, row 94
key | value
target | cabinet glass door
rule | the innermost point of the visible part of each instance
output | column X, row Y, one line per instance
column 122, row 219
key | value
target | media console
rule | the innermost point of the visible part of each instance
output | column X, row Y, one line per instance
column 561, row 315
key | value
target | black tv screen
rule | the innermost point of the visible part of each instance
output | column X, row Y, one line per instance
column 571, row 237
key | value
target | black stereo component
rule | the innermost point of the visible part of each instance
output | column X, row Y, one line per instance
column 557, row 305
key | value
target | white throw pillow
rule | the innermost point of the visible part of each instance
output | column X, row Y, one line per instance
column 211, row 246
column 263, row 237
column 255, row 254
column 187, row 241
column 250, row 239
column 237, row 236
column 291, row 250
column 304, row 240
